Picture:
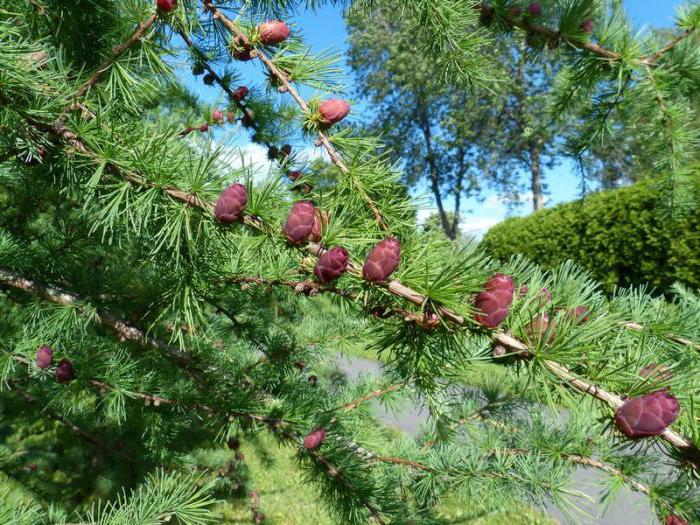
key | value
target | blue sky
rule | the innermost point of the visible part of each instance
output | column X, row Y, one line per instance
column 325, row 29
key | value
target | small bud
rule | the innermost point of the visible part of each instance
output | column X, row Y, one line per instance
column 294, row 175
column 166, row 5
column 493, row 304
column 314, row 439
column 647, row 415
column 313, row 380
column 231, row 204
column 64, row 371
column 498, row 351
column 234, row 443
column 273, row 32
column 217, row 116
column 240, row 93
column 656, row 372
column 331, row 264
column 197, row 69
column 230, row 117
column 208, row 79
column 241, row 51
column 516, row 11
column 534, row 9
column 587, row 25
column 300, row 222
column 32, row 467
column 204, row 128
column 299, row 365
column 333, row 110
column 538, row 327
column 382, row 261
column 44, row 356
column 273, row 152
column 672, row 519
column 286, row 150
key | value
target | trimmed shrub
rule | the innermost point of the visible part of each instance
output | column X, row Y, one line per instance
column 620, row 236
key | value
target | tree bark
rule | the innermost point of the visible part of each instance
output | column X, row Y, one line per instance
column 536, row 178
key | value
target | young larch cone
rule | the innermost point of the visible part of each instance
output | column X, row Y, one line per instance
column 320, row 223
column 672, row 519
column 333, row 110
column 534, row 9
column 234, row 443
column 294, row 175
column 587, row 25
column 647, row 415
column 166, row 5
column 382, row 261
column 273, row 32
column 314, row 439
column 64, row 371
column 300, row 222
column 240, row 93
column 331, row 264
column 204, row 128
column 44, row 355
column 231, row 204
column 217, row 116
column 493, row 304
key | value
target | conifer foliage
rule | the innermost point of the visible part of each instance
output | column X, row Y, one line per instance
column 183, row 300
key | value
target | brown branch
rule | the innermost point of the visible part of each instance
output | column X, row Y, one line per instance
column 649, row 60
column 117, row 52
column 372, row 395
column 70, row 425
column 676, row 339
column 282, row 78
column 124, row 330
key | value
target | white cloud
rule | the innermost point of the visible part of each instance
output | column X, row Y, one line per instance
column 477, row 226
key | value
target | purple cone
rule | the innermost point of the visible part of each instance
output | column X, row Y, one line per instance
column 382, row 260
column 314, row 439
column 647, row 415
column 64, row 371
column 300, row 222
column 493, row 304
column 44, row 356
column 331, row 264
column 231, row 204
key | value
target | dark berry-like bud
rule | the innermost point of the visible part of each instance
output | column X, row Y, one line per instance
column 64, row 371
column 314, row 439
column 300, row 222
column 231, row 204
column 286, row 150
column 647, row 415
column 587, row 25
column 240, row 93
column 197, row 69
column 32, row 467
column 331, row 264
column 273, row 152
column 208, row 79
column 313, row 380
column 217, row 116
column 44, row 355
column 166, row 5
column 493, row 304
column 534, row 9
column 382, row 260
column 230, row 117
column 234, row 443
column 672, row 519
column 204, row 128
column 516, row 11
column 273, row 32
column 656, row 372
column 294, row 175
column 333, row 110
column 299, row 365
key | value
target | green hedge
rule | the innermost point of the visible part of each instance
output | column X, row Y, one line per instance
column 619, row 236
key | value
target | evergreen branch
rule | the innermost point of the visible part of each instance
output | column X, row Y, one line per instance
column 123, row 329
column 281, row 77
column 83, row 434
column 649, row 60
column 675, row 338
column 248, row 114
column 372, row 395
column 117, row 52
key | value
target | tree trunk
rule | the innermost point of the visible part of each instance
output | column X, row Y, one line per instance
column 435, row 176
column 536, row 178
